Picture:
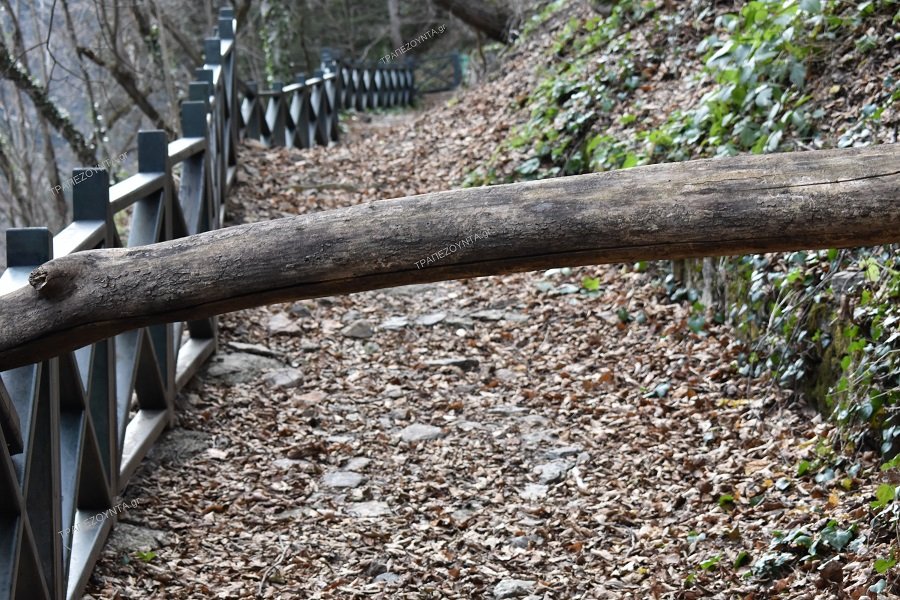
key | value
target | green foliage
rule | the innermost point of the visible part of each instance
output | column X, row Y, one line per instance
column 838, row 344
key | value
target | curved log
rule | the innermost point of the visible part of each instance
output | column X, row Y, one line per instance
column 741, row 205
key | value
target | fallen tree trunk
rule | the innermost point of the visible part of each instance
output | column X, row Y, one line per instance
column 741, row 205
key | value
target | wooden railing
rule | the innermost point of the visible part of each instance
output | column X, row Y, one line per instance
column 75, row 426
column 305, row 113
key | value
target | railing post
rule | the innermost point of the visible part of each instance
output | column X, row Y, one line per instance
column 252, row 113
column 151, row 223
column 275, row 115
column 26, row 249
column 230, row 106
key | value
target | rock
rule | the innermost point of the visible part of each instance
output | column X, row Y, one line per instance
column 505, row 374
column 466, row 364
column 306, row 346
column 301, row 311
column 393, row 391
column 291, row 513
column 468, row 425
column 350, row 316
column 536, row 438
column 369, row 510
column 357, row 463
column 387, row 577
column 507, row 410
column 281, row 324
column 553, row 471
column 240, row 367
column 534, row 491
column 253, row 349
column 360, row 330
column 457, row 321
column 394, row 323
column 343, row 479
column 418, row 432
column 562, row 452
column 287, row 463
column 431, row 318
column 487, row 315
column 523, row 541
column 513, row 588
column 515, row 317
column 283, row 378
column 127, row 538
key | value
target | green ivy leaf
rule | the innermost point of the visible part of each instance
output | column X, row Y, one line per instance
column 883, row 565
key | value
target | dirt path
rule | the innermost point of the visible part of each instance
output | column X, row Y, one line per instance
column 497, row 438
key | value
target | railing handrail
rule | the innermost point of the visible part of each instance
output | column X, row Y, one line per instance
column 97, row 385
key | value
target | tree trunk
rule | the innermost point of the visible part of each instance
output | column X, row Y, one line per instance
column 741, row 205
column 491, row 20
column 13, row 71
column 394, row 16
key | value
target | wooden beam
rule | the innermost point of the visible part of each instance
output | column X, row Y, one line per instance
column 741, row 205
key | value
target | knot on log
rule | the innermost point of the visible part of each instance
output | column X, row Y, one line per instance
column 39, row 278
column 49, row 282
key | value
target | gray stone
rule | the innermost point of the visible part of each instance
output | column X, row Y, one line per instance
column 301, row 311
column 387, row 577
column 350, row 316
column 508, row 410
column 306, row 346
column 534, row 491
column 357, row 463
column 394, row 323
column 393, row 391
column 281, row 324
column 457, row 321
column 466, row 364
column 253, row 349
column 369, row 510
column 431, row 318
column 487, row 315
column 536, row 438
column 553, row 471
column 291, row 513
column 360, row 330
column 287, row 463
column 283, row 378
column 515, row 317
column 523, row 541
column 513, row 588
column 562, row 452
column 505, row 374
column 418, row 432
column 240, row 367
column 468, row 425
column 343, row 479
column 127, row 538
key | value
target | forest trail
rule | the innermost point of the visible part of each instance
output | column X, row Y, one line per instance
column 500, row 437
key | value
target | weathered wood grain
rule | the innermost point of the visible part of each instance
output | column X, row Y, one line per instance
column 741, row 205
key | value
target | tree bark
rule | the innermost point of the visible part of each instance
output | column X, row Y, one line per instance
column 741, row 205
column 394, row 22
column 492, row 21
column 15, row 72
